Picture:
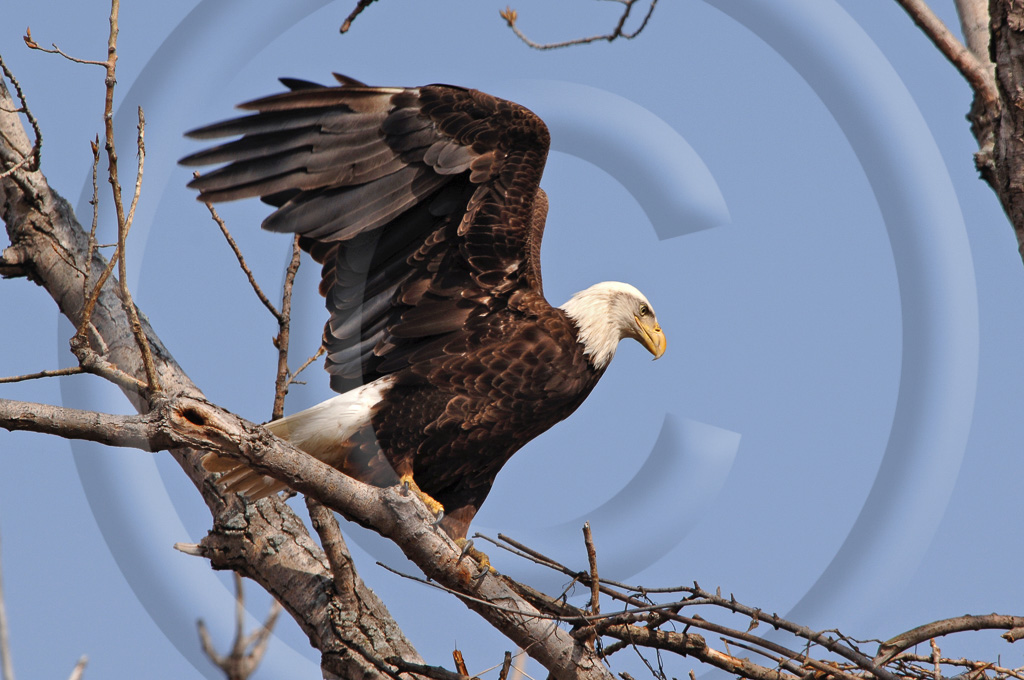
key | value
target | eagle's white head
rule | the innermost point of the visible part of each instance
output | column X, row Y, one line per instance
column 610, row 311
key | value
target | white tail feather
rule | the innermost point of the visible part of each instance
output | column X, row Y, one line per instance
column 320, row 431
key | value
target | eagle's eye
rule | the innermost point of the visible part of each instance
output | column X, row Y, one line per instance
column 644, row 311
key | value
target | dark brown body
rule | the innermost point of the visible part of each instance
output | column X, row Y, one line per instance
column 455, row 441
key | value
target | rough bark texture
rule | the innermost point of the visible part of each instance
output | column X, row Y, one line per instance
column 1000, row 129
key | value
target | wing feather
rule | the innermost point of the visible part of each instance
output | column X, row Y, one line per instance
column 422, row 205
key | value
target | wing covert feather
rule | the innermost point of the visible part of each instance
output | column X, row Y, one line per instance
column 422, row 205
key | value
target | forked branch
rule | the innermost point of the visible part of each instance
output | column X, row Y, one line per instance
column 974, row 70
column 511, row 18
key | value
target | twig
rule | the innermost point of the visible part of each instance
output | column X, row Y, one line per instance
column 980, row 78
column 6, row 665
column 284, row 322
column 470, row 598
column 780, row 662
column 37, row 146
column 435, row 672
column 247, row 650
column 73, row 370
column 460, row 663
column 506, row 665
column 862, row 660
column 304, row 366
column 595, row 583
column 962, row 662
column 360, row 6
column 700, row 595
column 76, row 672
column 94, row 146
column 33, row 45
column 92, row 362
column 17, row 156
column 241, row 260
column 511, row 16
column 124, row 223
column 519, row 667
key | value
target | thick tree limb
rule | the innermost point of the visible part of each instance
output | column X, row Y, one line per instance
column 1001, row 160
column 138, row 432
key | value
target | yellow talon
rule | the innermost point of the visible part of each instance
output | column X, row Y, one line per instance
column 482, row 559
column 431, row 504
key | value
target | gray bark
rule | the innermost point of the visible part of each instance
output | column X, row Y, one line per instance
column 1000, row 128
column 974, row 25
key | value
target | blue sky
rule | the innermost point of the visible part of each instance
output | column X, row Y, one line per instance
column 834, row 430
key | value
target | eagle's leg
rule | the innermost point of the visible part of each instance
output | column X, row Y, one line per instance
column 482, row 559
column 432, row 505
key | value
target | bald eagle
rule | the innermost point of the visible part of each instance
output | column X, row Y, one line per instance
column 424, row 208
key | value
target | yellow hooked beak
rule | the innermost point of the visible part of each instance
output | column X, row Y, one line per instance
column 651, row 335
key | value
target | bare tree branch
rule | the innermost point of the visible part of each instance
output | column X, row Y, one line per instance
column 138, row 432
column 291, row 378
column 247, row 650
column 124, row 223
column 974, row 24
column 595, row 582
column 31, row 161
column 16, row 156
column 338, row 556
column 6, row 665
column 283, row 339
column 73, row 370
column 360, row 6
column 79, row 669
column 511, row 18
column 890, row 648
column 33, row 45
column 241, row 259
column 971, row 68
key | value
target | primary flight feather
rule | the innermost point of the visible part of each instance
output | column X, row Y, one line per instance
column 424, row 208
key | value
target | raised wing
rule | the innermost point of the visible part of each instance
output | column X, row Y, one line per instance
column 422, row 204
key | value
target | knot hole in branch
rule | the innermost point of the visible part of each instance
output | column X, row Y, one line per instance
column 193, row 416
